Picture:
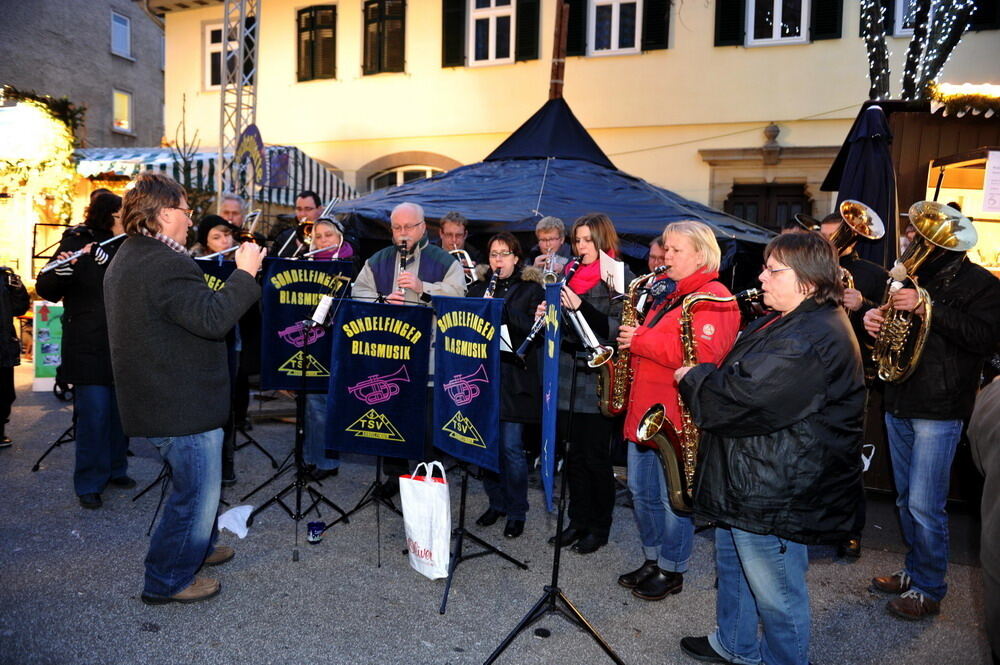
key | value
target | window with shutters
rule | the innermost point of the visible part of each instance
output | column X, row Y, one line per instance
column 384, row 36
column 317, row 43
column 615, row 27
column 491, row 32
column 771, row 22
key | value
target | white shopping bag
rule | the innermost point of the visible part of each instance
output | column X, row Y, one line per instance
column 427, row 517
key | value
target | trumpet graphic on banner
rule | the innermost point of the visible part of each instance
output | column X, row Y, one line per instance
column 462, row 389
column 379, row 388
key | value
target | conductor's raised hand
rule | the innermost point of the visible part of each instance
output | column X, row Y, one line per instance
column 249, row 257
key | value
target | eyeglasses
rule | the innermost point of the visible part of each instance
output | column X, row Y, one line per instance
column 187, row 211
column 500, row 255
column 399, row 228
column 771, row 271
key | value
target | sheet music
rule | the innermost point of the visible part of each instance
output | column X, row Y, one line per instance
column 505, row 344
column 613, row 273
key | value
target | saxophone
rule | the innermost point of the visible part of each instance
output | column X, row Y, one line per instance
column 679, row 446
column 615, row 378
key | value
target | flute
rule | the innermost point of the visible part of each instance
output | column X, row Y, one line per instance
column 222, row 253
column 335, row 256
column 78, row 253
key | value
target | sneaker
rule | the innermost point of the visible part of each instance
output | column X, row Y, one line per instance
column 913, row 606
column 5, row 442
column 202, row 588
column 895, row 583
column 220, row 555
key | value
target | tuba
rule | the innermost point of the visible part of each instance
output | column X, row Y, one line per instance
column 900, row 341
column 678, row 447
column 616, row 378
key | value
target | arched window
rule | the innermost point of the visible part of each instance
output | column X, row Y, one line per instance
column 400, row 175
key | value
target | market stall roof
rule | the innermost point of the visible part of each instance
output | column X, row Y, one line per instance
column 549, row 166
column 290, row 170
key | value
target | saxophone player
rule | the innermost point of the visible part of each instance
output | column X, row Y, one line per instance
column 692, row 256
column 925, row 413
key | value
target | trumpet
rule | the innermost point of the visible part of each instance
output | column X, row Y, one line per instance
column 550, row 276
column 536, row 327
column 246, row 233
column 78, row 253
column 468, row 265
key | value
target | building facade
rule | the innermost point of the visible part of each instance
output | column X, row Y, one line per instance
column 105, row 55
column 730, row 103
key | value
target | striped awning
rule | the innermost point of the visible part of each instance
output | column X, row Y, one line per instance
column 290, row 171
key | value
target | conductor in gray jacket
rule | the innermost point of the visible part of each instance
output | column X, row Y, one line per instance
column 167, row 332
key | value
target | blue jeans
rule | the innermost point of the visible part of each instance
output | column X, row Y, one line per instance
column 508, row 491
column 100, row 443
column 187, row 529
column 666, row 536
column 922, row 452
column 314, row 446
column 762, row 579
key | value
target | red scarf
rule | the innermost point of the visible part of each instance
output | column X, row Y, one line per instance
column 587, row 276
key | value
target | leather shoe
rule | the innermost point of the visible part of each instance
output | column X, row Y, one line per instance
column 590, row 543
column 851, row 548
column 202, row 588
column 701, row 649
column 913, row 606
column 895, row 583
column 490, row 517
column 513, row 528
column 220, row 555
column 567, row 536
column 122, row 482
column 322, row 474
column 91, row 501
column 5, row 442
column 659, row 585
column 633, row 579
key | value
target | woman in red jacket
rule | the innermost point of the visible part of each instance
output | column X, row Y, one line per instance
column 692, row 257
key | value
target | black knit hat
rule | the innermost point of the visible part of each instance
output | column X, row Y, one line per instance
column 208, row 223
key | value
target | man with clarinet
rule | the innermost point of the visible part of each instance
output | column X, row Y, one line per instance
column 167, row 331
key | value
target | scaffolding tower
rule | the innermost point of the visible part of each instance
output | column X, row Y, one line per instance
column 238, row 95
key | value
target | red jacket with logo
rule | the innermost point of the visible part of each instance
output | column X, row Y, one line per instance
column 656, row 351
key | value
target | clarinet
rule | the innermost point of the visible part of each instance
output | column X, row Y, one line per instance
column 539, row 323
column 492, row 286
column 402, row 261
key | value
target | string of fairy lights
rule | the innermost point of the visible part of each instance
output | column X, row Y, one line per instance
column 938, row 26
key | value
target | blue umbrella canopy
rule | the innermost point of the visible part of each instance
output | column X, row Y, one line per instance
column 549, row 166
column 867, row 175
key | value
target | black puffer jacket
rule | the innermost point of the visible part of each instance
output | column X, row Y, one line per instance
column 86, row 357
column 13, row 302
column 964, row 331
column 519, row 388
column 780, row 451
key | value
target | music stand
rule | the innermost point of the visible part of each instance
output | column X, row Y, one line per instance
column 250, row 441
column 68, row 435
column 302, row 484
column 459, row 535
column 549, row 602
